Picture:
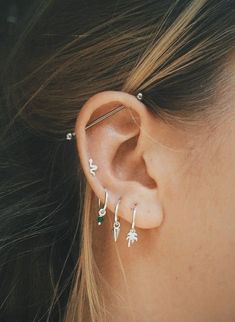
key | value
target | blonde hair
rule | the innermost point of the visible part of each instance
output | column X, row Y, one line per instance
column 160, row 48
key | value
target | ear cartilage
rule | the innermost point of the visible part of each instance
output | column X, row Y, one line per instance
column 70, row 135
column 93, row 167
column 116, row 224
column 132, row 234
column 102, row 211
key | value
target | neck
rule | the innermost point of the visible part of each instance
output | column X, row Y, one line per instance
column 136, row 274
column 149, row 281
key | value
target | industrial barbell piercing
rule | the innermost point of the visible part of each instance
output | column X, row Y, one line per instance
column 132, row 235
column 102, row 210
column 116, row 224
column 70, row 135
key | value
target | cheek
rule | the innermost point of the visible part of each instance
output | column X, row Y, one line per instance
column 199, row 226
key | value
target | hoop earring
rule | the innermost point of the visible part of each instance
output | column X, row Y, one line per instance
column 116, row 224
column 102, row 210
column 132, row 234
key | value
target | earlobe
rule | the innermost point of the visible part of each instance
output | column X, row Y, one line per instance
column 112, row 156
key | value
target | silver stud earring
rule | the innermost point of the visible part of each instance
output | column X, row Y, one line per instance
column 132, row 234
column 116, row 224
column 139, row 96
column 93, row 167
column 70, row 135
column 102, row 210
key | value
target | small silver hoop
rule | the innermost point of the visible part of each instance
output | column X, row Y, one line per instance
column 102, row 211
column 133, row 217
column 116, row 224
column 132, row 235
column 106, row 199
column 116, row 210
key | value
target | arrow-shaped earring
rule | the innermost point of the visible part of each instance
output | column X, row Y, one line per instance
column 116, row 224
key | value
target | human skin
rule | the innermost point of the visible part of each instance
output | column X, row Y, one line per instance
column 181, row 268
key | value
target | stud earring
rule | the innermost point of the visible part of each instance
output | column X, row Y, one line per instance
column 93, row 167
column 116, row 224
column 102, row 211
column 139, row 96
column 132, row 234
column 70, row 135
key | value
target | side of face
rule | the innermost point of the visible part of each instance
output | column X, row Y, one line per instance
column 182, row 180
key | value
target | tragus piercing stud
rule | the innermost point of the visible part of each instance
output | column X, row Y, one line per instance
column 102, row 210
column 116, row 224
column 93, row 167
column 132, row 234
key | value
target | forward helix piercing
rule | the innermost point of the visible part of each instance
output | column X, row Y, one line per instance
column 132, row 234
column 102, row 210
column 116, row 224
column 70, row 135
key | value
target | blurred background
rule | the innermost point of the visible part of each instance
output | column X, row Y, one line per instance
column 12, row 14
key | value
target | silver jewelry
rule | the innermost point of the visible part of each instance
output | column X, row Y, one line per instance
column 132, row 234
column 116, row 224
column 139, row 96
column 70, row 135
column 102, row 210
column 93, row 167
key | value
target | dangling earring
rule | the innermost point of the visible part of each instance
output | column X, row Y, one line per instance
column 102, row 211
column 116, row 224
column 132, row 235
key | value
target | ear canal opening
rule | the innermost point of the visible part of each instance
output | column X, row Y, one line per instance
column 126, row 165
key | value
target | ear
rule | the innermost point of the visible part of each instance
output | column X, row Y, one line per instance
column 118, row 145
